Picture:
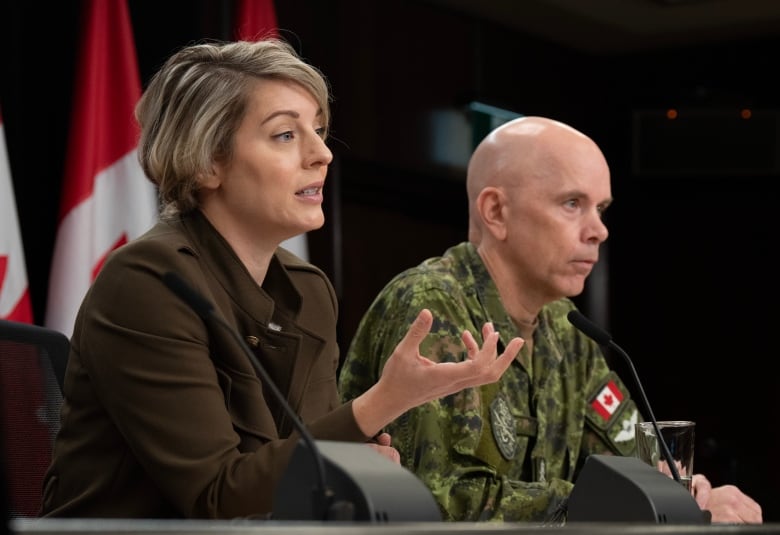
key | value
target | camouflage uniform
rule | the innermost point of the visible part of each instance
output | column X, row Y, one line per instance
column 506, row 451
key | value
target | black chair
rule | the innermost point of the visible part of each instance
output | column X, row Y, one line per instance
column 32, row 371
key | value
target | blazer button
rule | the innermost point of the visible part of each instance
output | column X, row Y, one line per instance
column 252, row 341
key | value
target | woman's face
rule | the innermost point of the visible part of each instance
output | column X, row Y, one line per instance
column 272, row 188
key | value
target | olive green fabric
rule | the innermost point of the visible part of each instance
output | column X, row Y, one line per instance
column 506, row 451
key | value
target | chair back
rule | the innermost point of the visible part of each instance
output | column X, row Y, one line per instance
column 32, row 371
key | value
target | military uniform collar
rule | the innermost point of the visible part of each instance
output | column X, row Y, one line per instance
column 486, row 291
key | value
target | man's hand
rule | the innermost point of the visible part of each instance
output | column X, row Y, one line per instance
column 726, row 504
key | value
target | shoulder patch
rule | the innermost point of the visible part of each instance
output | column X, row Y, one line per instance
column 613, row 414
column 607, row 400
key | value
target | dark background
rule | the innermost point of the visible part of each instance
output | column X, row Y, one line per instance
column 686, row 285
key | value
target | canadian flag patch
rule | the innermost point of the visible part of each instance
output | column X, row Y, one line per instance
column 608, row 400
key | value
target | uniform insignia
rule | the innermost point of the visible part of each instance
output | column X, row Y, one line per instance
column 607, row 400
column 542, row 471
column 503, row 424
column 627, row 428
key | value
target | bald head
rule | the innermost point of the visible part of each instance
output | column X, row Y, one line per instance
column 527, row 148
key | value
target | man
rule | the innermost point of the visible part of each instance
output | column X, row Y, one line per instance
column 537, row 191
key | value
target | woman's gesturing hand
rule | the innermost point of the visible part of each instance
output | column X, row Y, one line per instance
column 410, row 379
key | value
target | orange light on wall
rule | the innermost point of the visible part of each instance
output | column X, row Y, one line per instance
column 671, row 114
column 746, row 113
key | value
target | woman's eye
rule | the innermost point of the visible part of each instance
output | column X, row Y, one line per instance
column 284, row 136
column 321, row 131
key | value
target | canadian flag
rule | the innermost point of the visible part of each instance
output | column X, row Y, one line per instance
column 608, row 400
column 256, row 19
column 106, row 200
column 15, row 301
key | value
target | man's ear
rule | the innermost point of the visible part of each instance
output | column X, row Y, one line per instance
column 491, row 205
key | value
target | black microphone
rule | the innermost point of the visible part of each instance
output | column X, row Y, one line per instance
column 204, row 309
column 352, row 481
column 603, row 338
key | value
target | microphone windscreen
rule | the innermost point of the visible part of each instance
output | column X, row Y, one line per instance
column 591, row 330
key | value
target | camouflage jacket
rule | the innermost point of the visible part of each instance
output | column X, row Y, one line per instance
column 507, row 451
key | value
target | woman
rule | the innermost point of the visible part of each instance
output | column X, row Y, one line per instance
column 164, row 415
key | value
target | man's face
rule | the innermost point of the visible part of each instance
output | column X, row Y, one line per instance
column 555, row 226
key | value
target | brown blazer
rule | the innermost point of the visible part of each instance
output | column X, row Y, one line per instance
column 164, row 415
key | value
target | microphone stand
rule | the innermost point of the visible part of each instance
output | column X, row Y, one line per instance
column 661, row 442
column 322, row 495
column 602, row 337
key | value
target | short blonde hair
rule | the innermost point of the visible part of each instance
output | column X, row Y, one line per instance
column 195, row 103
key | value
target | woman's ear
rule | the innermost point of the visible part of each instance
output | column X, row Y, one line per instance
column 210, row 179
column 491, row 205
